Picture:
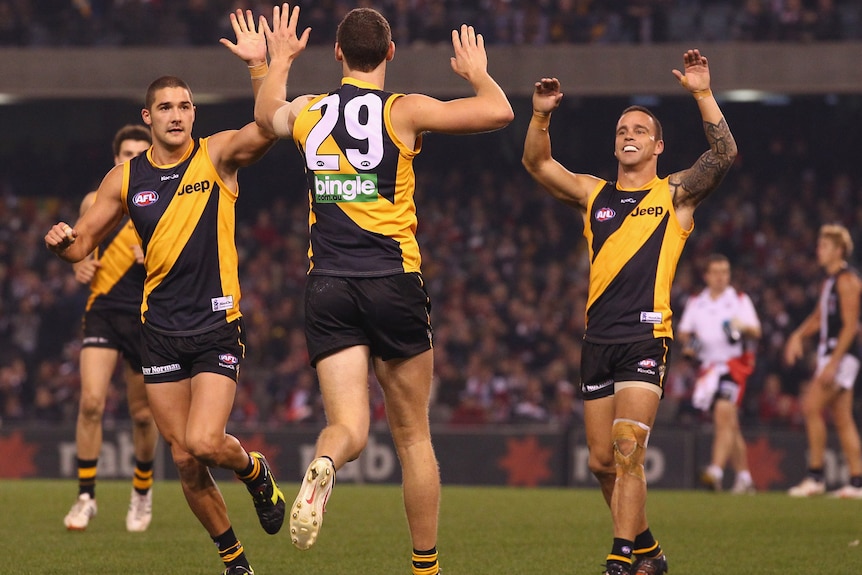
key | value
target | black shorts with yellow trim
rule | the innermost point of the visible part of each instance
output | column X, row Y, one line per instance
column 604, row 364
column 170, row 357
column 114, row 329
column 390, row 314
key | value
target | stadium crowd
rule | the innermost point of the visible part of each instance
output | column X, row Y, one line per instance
column 535, row 22
column 505, row 267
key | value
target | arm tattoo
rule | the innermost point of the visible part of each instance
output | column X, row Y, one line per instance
column 691, row 186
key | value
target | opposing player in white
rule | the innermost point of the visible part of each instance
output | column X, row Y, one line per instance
column 835, row 319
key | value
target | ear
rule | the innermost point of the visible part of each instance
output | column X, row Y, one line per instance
column 391, row 52
column 145, row 116
column 659, row 147
column 339, row 56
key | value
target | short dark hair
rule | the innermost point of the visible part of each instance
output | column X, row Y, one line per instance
column 716, row 258
column 659, row 134
column 130, row 132
column 165, row 82
column 364, row 37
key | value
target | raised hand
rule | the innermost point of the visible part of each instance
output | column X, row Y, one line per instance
column 695, row 75
column 250, row 40
column 547, row 95
column 470, row 57
column 281, row 39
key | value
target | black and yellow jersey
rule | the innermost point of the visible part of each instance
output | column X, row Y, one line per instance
column 118, row 283
column 184, row 214
column 362, row 219
column 635, row 241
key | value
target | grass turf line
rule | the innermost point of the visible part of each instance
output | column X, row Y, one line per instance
column 483, row 531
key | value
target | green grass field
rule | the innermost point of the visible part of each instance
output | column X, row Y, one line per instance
column 483, row 531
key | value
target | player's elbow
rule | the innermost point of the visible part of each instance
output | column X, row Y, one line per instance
column 505, row 115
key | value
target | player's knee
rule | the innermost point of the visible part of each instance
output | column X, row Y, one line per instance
column 92, row 408
column 602, row 463
column 141, row 415
column 630, row 441
column 204, row 449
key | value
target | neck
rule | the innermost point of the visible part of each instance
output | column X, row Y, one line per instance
column 835, row 267
column 635, row 176
column 377, row 76
column 166, row 155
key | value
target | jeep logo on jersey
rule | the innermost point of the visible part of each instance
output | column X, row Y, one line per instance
column 656, row 211
column 334, row 188
column 604, row 214
column 147, row 198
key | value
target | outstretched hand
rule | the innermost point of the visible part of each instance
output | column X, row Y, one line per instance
column 282, row 40
column 470, row 57
column 250, row 40
column 547, row 95
column 695, row 75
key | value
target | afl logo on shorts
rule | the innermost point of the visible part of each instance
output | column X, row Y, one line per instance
column 604, row 214
column 147, row 198
column 228, row 358
column 648, row 363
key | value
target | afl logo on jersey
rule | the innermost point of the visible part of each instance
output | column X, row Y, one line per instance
column 228, row 358
column 604, row 214
column 147, row 198
column 648, row 363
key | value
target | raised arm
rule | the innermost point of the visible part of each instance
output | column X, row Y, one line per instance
column 75, row 243
column 272, row 111
column 234, row 149
column 566, row 186
column 489, row 109
column 691, row 186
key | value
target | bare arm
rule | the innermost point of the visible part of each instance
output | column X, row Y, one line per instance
column 488, row 110
column 566, row 186
column 233, row 149
column 794, row 348
column 74, row 243
column 690, row 187
column 272, row 111
column 85, row 269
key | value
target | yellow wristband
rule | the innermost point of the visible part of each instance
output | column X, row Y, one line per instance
column 701, row 94
column 258, row 71
column 540, row 121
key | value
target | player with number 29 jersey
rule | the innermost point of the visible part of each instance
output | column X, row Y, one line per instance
column 362, row 220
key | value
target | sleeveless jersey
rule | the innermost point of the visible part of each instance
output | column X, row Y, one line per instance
column 830, row 315
column 635, row 242
column 184, row 215
column 119, row 282
column 362, row 219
